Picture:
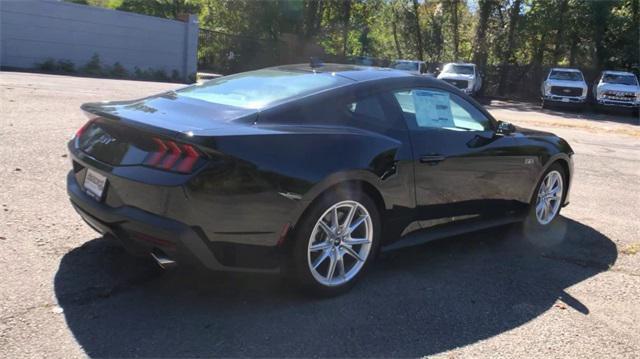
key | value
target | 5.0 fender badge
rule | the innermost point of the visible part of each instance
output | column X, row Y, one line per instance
column 529, row 161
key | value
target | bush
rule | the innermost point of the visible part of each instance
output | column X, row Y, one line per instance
column 159, row 75
column 66, row 66
column 118, row 71
column 48, row 65
column 93, row 67
column 175, row 76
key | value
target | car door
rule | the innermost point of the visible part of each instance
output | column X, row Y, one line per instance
column 462, row 167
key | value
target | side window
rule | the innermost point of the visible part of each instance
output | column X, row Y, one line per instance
column 367, row 112
column 432, row 108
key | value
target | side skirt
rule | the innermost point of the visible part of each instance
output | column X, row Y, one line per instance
column 451, row 229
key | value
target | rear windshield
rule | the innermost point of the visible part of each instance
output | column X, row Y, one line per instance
column 458, row 69
column 565, row 75
column 257, row 89
column 619, row 79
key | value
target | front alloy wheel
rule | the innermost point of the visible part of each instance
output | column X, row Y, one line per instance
column 340, row 243
column 549, row 197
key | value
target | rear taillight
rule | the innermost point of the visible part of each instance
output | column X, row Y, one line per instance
column 173, row 156
column 84, row 127
column 91, row 117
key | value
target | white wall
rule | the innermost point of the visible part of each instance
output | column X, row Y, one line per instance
column 32, row 31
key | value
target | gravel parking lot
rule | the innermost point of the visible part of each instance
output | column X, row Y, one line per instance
column 66, row 292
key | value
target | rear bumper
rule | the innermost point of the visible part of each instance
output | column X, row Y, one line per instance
column 143, row 232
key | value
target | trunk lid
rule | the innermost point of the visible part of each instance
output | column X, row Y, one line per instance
column 165, row 132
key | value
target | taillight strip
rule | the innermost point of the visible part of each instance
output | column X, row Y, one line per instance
column 157, row 156
column 173, row 156
column 191, row 157
column 171, row 159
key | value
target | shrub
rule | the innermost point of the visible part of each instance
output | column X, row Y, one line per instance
column 175, row 76
column 93, row 67
column 66, row 66
column 138, row 73
column 118, row 71
column 192, row 78
column 48, row 65
column 159, row 75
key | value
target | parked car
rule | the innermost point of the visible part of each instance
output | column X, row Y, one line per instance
column 413, row 66
column 564, row 86
column 307, row 170
column 463, row 76
column 616, row 89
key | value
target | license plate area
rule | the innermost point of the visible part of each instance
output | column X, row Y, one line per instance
column 94, row 184
column 565, row 99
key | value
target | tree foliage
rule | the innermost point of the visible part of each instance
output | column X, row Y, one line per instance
column 588, row 33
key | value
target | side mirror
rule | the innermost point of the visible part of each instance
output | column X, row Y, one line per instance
column 505, row 128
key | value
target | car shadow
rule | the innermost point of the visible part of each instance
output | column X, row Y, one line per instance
column 413, row 302
column 616, row 115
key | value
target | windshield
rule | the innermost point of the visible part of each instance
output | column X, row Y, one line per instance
column 565, row 75
column 620, row 79
column 458, row 69
column 257, row 89
column 406, row 66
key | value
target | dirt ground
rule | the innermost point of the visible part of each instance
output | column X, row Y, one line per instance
column 66, row 292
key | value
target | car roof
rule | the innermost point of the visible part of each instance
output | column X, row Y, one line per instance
column 617, row 72
column 460, row 63
column 351, row 72
column 567, row 69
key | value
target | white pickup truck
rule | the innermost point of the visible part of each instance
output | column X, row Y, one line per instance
column 563, row 85
column 463, row 76
column 617, row 89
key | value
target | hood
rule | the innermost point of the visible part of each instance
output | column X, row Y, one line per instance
column 533, row 133
column 564, row 83
column 452, row 76
column 618, row 87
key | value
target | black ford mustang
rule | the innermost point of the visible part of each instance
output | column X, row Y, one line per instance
column 307, row 170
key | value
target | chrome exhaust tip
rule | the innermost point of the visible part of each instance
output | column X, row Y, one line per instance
column 163, row 261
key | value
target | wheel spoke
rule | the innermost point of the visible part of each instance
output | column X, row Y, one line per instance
column 334, row 218
column 332, row 265
column 352, row 212
column 321, row 259
column 341, row 264
column 355, row 241
column 320, row 246
column 355, row 226
column 352, row 253
column 325, row 228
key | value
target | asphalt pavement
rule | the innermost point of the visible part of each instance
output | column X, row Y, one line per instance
column 504, row 292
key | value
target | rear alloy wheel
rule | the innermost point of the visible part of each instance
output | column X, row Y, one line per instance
column 340, row 243
column 335, row 241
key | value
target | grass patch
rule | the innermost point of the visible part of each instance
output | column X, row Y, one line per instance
column 633, row 248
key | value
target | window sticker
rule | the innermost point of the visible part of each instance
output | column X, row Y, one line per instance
column 433, row 108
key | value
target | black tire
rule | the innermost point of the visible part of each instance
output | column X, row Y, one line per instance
column 298, row 267
column 531, row 222
column 544, row 105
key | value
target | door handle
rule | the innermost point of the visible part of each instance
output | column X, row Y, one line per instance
column 432, row 159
